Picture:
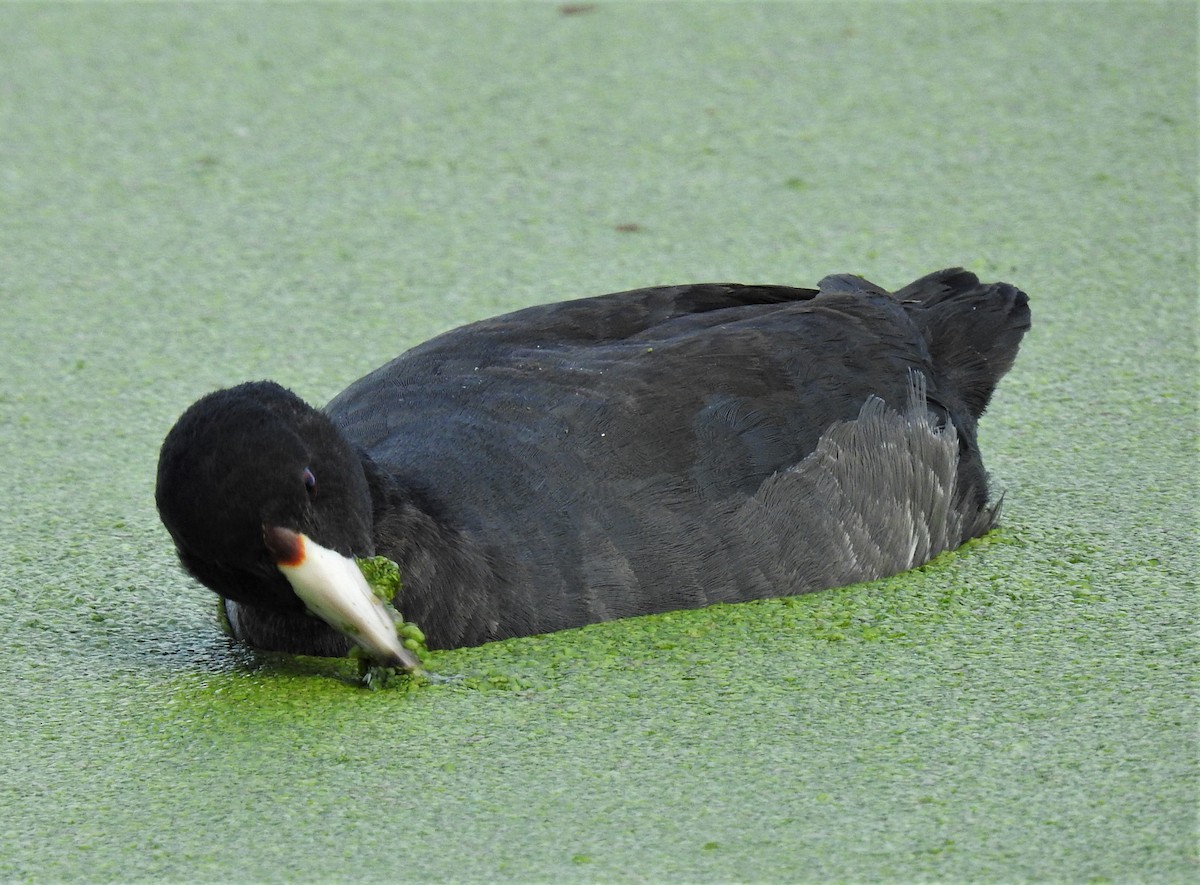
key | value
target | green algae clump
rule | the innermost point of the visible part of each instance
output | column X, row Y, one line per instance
column 383, row 577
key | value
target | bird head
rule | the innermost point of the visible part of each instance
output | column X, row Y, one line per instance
column 268, row 504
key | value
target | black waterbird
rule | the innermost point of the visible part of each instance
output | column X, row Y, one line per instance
column 620, row 455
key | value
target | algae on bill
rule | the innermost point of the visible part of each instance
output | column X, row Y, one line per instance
column 383, row 577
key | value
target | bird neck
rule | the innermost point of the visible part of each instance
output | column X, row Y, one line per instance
column 447, row 580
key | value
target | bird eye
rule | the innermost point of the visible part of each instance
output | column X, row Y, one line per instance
column 310, row 481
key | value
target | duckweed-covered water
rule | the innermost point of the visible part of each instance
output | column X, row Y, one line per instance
column 195, row 195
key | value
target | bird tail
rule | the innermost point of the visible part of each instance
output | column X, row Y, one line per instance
column 973, row 330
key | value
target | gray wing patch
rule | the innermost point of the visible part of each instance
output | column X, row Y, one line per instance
column 878, row 496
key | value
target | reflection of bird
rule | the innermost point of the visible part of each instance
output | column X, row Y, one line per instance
column 632, row 453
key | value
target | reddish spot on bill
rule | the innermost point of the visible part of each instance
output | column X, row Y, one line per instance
column 285, row 545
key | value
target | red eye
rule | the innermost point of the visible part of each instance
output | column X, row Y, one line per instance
column 310, row 481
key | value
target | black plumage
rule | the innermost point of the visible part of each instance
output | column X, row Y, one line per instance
column 592, row 459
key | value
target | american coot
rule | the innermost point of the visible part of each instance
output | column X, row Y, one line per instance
column 620, row 455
